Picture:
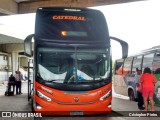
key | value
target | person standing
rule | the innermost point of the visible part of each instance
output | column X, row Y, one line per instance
column 20, row 77
column 11, row 83
column 148, row 81
column 138, row 89
column 18, row 82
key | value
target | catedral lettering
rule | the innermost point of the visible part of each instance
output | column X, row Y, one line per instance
column 69, row 18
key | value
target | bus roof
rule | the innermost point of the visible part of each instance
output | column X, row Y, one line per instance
column 71, row 24
column 146, row 51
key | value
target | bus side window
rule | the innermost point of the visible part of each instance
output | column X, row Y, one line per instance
column 137, row 62
column 119, row 67
column 156, row 63
column 127, row 66
column 148, row 60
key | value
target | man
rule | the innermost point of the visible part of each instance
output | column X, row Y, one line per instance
column 11, row 83
column 18, row 82
column 139, row 88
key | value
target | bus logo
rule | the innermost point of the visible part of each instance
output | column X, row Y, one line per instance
column 76, row 99
column 65, row 17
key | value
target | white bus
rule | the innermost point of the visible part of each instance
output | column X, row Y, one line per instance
column 125, row 70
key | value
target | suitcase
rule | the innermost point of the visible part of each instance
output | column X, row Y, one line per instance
column 7, row 92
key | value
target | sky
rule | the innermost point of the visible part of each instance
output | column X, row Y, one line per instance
column 137, row 23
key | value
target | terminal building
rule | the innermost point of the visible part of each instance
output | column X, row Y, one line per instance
column 11, row 60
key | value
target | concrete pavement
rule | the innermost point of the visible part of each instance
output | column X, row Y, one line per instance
column 4, row 84
column 120, row 106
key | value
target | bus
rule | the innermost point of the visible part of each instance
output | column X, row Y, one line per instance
column 125, row 70
column 72, row 68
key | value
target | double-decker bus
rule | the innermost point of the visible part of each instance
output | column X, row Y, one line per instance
column 72, row 62
column 125, row 70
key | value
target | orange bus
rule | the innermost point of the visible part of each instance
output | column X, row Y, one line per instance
column 72, row 62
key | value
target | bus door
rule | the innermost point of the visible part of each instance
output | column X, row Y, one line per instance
column 127, row 76
column 30, row 79
column 118, row 75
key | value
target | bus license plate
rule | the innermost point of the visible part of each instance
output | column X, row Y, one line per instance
column 76, row 113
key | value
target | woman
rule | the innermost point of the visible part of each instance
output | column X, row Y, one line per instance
column 148, row 80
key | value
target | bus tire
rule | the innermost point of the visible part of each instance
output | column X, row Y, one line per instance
column 131, row 95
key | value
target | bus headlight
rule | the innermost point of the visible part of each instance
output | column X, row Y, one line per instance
column 41, row 95
column 106, row 95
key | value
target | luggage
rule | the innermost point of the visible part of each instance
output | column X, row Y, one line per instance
column 9, row 93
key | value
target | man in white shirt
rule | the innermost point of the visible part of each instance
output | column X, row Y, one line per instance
column 18, row 82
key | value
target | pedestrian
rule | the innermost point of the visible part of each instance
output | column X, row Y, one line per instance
column 138, row 89
column 20, row 77
column 157, row 71
column 11, row 83
column 148, row 81
column 18, row 82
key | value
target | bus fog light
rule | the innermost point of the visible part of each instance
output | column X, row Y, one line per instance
column 110, row 105
column 39, row 107
column 106, row 95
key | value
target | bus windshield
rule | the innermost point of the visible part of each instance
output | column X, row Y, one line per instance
column 73, row 65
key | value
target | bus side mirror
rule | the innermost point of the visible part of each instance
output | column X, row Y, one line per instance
column 124, row 46
column 28, row 45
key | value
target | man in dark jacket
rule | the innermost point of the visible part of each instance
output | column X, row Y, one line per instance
column 11, row 83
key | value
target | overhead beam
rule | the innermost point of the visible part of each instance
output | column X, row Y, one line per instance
column 8, row 7
column 32, row 5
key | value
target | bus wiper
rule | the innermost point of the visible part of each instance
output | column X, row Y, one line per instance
column 51, row 80
column 39, row 77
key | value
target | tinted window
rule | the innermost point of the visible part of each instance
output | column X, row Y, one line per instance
column 127, row 66
column 62, row 24
column 137, row 62
column 69, row 65
column 156, row 62
column 148, row 60
column 119, row 66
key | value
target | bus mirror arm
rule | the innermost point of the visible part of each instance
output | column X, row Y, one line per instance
column 124, row 46
column 28, row 45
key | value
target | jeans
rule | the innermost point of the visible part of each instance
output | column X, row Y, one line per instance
column 140, row 99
